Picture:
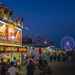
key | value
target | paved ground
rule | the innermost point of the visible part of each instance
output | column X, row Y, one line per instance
column 57, row 69
column 61, row 69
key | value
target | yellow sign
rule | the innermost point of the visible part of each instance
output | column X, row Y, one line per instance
column 8, row 49
column 22, row 49
column 1, row 48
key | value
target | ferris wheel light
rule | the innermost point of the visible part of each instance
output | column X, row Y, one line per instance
column 67, row 43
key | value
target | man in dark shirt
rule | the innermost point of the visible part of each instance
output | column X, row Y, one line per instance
column 30, row 68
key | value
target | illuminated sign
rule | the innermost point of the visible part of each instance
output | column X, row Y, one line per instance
column 22, row 49
column 7, row 49
column 10, row 34
column 1, row 48
column 10, row 49
column 13, row 49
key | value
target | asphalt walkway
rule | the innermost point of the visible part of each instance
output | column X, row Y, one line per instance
column 57, row 69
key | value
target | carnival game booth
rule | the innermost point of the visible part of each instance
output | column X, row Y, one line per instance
column 10, row 35
column 9, row 53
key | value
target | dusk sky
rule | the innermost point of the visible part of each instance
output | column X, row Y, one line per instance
column 53, row 19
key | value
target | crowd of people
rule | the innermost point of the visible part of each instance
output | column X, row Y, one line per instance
column 33, row 67
column 39, row 67
column 8, row 68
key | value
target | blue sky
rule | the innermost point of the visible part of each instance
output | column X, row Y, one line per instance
column 53, row 19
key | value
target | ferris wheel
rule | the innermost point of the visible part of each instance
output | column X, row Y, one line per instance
column 68, row 43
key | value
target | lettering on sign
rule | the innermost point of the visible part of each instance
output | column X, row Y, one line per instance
column 11, row 49
column 22, row 49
